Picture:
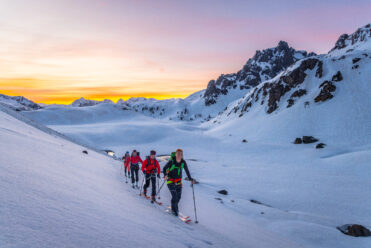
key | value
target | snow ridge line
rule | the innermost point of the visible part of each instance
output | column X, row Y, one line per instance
column 6, row 109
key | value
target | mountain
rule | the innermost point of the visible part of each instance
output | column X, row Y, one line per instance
column 312, row 96
column 19, row 103
column 82, row 102
column 280, row 194
column 358, row 40
column 206, row 104
column 263, row 66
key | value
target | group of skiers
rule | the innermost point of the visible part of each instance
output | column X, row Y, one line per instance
column 151, row 169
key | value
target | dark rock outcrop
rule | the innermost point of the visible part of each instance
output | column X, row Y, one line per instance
column 320, row 146
column 296, row 94
column 337, row 77
column 355, row 230
column 288, row 81
column 223, row 192
column 309, row 139
column 298, row 141
column 325, row 94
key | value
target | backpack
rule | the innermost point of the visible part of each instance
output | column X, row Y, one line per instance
column 173, row 167
column 148, row 159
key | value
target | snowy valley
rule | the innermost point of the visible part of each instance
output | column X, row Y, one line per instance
column 244, row 133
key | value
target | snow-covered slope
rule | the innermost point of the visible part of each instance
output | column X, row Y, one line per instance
column 19, row 103
column 305, row 192
column 327, row 96
column 57, row 195
column 53, row 195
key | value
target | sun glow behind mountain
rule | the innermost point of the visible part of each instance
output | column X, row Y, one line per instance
column 57, row 51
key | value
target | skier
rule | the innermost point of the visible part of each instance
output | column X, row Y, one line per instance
column 173, row 175
column 134, row 167
column 150, row 169
column 126, row 159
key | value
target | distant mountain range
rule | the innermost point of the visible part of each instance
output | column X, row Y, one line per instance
column 274, row 80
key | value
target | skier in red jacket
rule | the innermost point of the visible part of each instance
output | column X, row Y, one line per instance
column 126, row 160
column 150, row 169
column 134, row 167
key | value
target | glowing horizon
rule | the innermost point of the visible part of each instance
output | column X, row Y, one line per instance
column 58, row 51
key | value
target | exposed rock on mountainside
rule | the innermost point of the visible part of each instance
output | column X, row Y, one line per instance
column 264, row 65
column 82, row 102
column 19, row 103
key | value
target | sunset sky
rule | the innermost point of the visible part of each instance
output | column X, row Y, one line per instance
column 54, row 51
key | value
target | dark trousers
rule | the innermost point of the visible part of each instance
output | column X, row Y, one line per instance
column 176, row 193
column 150, row 178
column 134, row 173
column 127, row 171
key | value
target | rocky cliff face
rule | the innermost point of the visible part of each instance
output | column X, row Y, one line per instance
column 263, row 66
column 358, row 38
column 313, row 79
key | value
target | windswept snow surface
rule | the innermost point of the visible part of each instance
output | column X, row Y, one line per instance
column 53, row 195
column 310, row 191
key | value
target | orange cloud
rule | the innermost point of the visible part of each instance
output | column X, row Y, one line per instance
column 44, row 91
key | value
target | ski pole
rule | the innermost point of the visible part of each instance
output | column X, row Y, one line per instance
column 160, row 188
column 194, row 202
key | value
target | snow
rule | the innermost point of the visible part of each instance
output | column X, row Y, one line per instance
column 56, row 196
column 18, row 102
column 349, row 110
column 311, row 191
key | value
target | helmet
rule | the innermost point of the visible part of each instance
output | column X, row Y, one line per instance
column 153, row 152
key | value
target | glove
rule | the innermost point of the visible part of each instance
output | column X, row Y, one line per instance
column 158, row 176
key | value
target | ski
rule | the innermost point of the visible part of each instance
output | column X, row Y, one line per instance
column 185, row 219
column 159, row 203
column 180, row 214
column 152, row 201
column 147, row 197
column 184, row 216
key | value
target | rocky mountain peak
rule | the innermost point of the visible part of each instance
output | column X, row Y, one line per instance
column 360, row 36
column 263, row 66
column 19, row 103
column 82, row 102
